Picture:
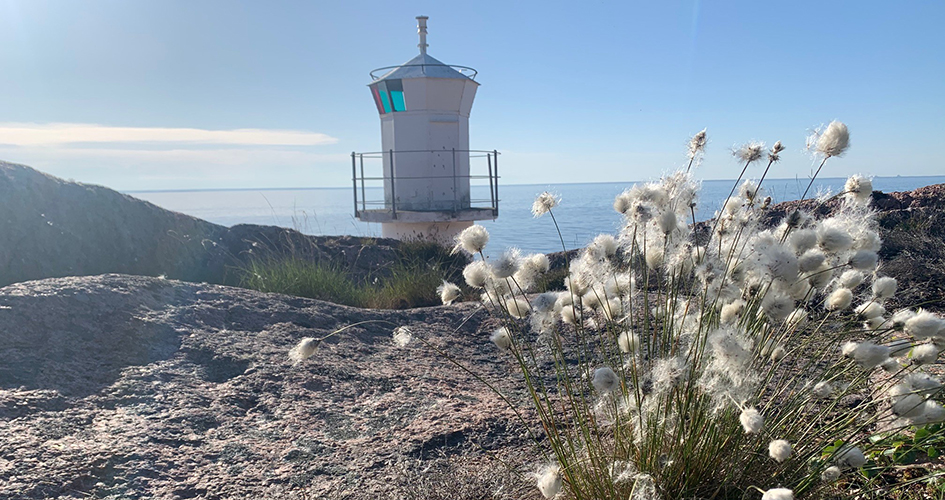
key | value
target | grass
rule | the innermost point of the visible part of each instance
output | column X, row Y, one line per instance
column 409, row 280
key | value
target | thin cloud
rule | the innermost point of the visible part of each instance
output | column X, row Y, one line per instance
column 33, row 134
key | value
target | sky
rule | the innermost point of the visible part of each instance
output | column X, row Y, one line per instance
column 227, row 94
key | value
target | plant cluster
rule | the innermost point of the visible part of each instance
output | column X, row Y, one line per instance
column 408, row 281
column 714, row 360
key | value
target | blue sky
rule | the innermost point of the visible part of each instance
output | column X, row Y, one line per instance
column 213, row 94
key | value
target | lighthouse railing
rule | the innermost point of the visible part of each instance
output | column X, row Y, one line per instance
column 376, row 175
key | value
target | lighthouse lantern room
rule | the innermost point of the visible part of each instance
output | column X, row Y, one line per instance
column 425, row 165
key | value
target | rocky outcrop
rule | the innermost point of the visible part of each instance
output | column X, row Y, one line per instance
column 51, row 228
column 912, row 226
column 131, row 387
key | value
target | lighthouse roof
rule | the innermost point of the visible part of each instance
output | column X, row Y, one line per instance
column 424, row 66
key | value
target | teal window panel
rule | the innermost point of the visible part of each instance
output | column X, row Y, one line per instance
column 397, row 99
column 385, row 100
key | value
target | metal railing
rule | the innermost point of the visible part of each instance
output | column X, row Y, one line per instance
column 463, row 70
column 383, row 166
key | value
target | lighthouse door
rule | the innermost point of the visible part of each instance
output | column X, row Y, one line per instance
column 444, row 165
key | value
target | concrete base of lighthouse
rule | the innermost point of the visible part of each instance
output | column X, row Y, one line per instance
column 440, row 232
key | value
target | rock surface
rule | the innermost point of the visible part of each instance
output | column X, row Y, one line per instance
column 120, row 386
column 912, row 226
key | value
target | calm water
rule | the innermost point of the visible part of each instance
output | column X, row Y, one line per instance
column 585, row 210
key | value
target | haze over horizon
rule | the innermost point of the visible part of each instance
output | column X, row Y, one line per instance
column 177, row 95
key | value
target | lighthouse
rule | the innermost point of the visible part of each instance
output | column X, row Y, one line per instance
column 434, row 185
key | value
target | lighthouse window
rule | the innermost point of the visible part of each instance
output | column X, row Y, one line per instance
column 385, row 99
column 389, row 96
column 396, row 89
column 377, row 99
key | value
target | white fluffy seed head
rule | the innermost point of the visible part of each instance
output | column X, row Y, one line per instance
column 518, row 307
column 605, row 380
column 848, row 348
column 304, row 349
column 731, row 311
column 868, row 240
column 752, row 421
column 864, row 260
column 932, row 413
column 830, row 474
column 612, row 309
column 473, row 239
column 802, row 240
column 570, row 314
column 697, row 143
column 822, row 390
column 476, row 274
column 780, row 450
column 501, row 338
column 909, row 405
column 544, row 203
column 923, row 325
column 530, row 269
column 778, row 494
column 833, row 239
column 858, row 189
column 884, row 288
column 800, row 290
column 851, row 278
column 869, row 355
column 851, row 456
column 545, row 303
column 549, row 481
column 667, row 221
column 874, row 322
column 797, row 319
column 839, row 299
column 891, row 365
column 900, row 317
column 402, row 336
column 448, row 292
column 507, row 263
column 924, row 354
column 750, row 152
column 733, row 205
column 870, row 310
column 833, row 141
column 628, row 341
column 603, row 245
column 810, row 260
column 654, row 256
column 777, row 305
column 923, row 382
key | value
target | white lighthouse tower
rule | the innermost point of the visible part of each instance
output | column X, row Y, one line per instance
column 425, row 160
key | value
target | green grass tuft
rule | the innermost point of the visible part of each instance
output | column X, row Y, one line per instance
column 410, row 280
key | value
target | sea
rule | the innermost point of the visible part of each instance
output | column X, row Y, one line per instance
column 585, row 211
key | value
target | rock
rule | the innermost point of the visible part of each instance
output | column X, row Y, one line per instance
column 912, row 227
column 133, row 387
column 53, row 228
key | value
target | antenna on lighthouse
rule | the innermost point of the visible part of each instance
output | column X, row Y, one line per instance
column 422, row 30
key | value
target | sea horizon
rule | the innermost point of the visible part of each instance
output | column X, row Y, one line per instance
column 311, row 188
column 586, row 209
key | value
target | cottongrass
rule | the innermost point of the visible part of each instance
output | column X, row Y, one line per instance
column 709, row 363
column 448, row 292
column 303, row 350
